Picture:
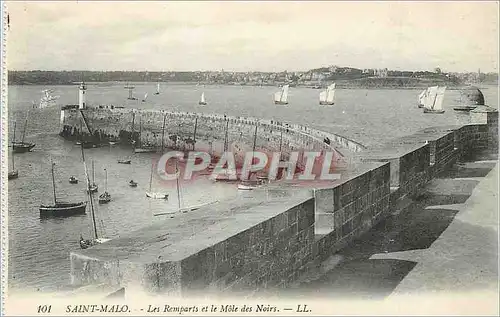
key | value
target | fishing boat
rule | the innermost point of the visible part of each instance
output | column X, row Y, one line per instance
column 436, row 106
column 61, row 209
column 138, row 146
column 421, row 98
column 105, row 197
column 130, row 92
column 92, row 188
column 21, row 146
column 150, row 193
column 87, row 243
column 281, row 97
column 145, row 97
column 326, row 97
column 132, row 183
column 157, row 89
column 124, row 161
column 202, row 101
column 73, row 180
column 14, row 173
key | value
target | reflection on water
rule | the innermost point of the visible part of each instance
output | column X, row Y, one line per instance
column 39, row 249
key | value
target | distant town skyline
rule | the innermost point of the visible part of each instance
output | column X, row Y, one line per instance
column 252, row 36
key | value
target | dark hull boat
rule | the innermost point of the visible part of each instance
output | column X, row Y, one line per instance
column 280, row 103
column 73, row 180
column 22, row 147
column 326, row 103
column 13, row 175
column 124, row 161
column 62, row 209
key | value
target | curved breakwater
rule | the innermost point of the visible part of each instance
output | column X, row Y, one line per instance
column 164, row 129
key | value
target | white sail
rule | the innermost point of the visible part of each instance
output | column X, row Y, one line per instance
column 323, row 95
column 330, row 93
column 284, row 94
column 158, row 88
column 438, row 104
column 277, row 96
column 422, row 96
column 202, row 98
column 429, row 98
column 145, row 96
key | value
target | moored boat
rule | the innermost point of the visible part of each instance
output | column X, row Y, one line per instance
column 150, row 193
column 21, row 146
column 124, row 161
column 132, row 183
column 73, row 180
column 105, row 197
column 281, row 97
column 59, row 208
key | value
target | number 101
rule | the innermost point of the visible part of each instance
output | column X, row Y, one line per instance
column 44, row 308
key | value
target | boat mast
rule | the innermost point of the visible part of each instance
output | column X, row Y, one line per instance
column 194, row 134
column 106, row 180
column 435, row 97
column 140, row 132
column 177, row 182
column 163, row 132
column 25, row 124
column 226, row 137
column 13, row 165
column 53, row 182
column 281, row 143
column 151, row 178
column 90, row 193
column 93, row 173
column 14, row 134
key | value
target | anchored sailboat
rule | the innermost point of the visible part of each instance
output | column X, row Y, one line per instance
column 130, row 92
column 105, row 197
column 150, row 193
column 61, row 209
column 202, row 101
column 157, row 89
column 84, row 244
column 22, row 147
column 14, row 173
column 92, row 188
column 326, row 97
column 281, row 97
column 437, row 96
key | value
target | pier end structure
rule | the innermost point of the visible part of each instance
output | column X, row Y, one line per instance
column 286, row 229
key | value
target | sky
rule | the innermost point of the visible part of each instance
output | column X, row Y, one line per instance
column 252, row 36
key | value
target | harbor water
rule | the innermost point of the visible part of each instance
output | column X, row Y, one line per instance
column 39, row 249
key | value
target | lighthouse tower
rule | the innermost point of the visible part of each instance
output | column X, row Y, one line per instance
column 81, row 96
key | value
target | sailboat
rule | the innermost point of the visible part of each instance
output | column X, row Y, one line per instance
column 22, row 147
column 421, row 98
column 249, row 185
column 47, row 99
column 202, row 101
column 179, row 204
column 437, row 97
column 84, row 244
column 157, row 89
column 281, row 97
column 130, row 92
column 61, row 209
column 138, row 147
column 92, row 188
column 326, row 97
column 105, row 197
column 145, row 97
column 14, row 173
column 150, row 193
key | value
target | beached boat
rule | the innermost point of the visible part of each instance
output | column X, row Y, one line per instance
column 202, row 101
column 326, row 97
column 436, row 106
column 281, row 97
column 61, row 209
column 150, row 193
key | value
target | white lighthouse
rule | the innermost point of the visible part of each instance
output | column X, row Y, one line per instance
column 81, row 96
